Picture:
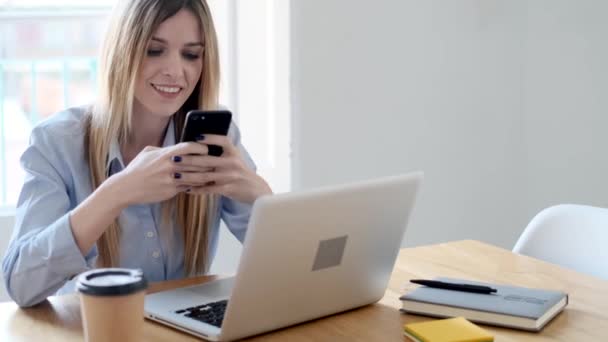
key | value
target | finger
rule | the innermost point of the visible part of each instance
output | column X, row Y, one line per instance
column 218, row 140
column 193, row 178
column 182, row 188
column 195, row 190
column 185, row 168
column 150, row 148
column 186, row 148
column 207, row 161
column 206, row 178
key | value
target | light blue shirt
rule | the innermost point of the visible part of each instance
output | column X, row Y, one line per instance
column 42, row 257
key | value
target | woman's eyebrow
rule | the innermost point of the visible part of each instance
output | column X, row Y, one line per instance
column 160, row 40
column 164, row 41
column 194, row 44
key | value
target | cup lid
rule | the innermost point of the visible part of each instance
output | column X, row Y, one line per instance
column 111, row 282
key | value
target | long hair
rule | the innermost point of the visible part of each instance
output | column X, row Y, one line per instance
column 131, row 27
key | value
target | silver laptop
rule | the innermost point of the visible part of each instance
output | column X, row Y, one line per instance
column 306, row 255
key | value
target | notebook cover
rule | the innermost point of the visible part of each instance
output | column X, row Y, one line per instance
column 448, row 330
column 508, row 300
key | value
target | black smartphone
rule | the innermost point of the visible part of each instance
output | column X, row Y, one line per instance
column 207, row 122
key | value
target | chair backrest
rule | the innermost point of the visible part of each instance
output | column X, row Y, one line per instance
column 574, row 236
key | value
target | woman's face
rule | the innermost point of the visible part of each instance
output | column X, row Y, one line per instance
column 171, row 67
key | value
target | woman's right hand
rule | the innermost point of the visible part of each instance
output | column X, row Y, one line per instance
column 154, row 174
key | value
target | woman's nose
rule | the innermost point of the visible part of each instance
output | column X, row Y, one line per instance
column 173, row 66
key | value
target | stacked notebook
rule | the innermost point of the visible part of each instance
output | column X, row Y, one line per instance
column 511, row 306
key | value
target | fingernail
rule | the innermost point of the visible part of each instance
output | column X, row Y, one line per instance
column 188, row 190
column 177, row 175
column 177, row 159
column 200, row 137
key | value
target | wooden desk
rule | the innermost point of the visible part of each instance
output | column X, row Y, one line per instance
column 585, row 318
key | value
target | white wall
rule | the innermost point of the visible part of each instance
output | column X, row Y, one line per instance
column 566, row 106
column 462, row 90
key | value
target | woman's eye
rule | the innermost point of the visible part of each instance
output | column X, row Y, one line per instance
column 191, row 56
column 154, row 52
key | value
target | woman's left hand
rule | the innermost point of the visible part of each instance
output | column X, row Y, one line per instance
column 226, row 175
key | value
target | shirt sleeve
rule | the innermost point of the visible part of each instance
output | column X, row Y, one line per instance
column 234, row 213
column 42, row 254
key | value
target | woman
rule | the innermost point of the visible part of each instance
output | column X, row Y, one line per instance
column 107, row 186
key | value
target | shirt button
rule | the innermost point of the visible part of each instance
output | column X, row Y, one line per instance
column 150, row 234
column 156, row 254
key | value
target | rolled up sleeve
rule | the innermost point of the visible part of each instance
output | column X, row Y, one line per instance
column 42, row 254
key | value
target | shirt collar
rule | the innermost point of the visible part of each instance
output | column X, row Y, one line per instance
column 114, row 155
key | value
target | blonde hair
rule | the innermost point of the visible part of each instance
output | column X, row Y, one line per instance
column 131, row 26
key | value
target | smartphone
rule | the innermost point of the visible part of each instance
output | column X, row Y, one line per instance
column 207, row 122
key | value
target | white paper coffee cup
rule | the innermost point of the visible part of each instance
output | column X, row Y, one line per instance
column 112, row 304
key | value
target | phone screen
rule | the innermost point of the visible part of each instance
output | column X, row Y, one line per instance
column 207, row 122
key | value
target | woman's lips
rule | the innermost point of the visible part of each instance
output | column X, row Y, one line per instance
column 167, row 91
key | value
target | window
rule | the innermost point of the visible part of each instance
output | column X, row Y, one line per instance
column 48, row 61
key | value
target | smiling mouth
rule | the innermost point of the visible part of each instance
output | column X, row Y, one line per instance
column 169, row 90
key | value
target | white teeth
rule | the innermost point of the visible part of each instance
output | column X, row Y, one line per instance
column 171, row 90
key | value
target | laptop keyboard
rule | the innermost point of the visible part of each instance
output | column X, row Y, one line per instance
column 210, row 313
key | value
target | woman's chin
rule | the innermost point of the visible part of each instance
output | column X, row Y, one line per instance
column 158, row 108
column 163, row 110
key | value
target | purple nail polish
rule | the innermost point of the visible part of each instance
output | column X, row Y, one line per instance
column 200, row 137
column 177, row 159
column 177, row 175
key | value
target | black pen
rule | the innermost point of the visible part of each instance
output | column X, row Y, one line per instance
column 455, row 287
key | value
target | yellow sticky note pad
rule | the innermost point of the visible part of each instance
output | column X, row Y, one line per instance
column 447, row 330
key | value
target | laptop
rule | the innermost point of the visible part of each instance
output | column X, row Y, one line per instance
column 306, row 255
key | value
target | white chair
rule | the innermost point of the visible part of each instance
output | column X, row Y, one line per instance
column 573, row 236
